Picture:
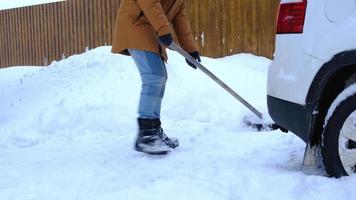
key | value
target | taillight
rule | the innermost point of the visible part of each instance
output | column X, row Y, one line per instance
column 291, row 17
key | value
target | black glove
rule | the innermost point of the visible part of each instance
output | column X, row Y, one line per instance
column 196, row 56
column 165, row 40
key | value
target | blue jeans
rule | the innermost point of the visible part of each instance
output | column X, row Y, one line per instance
column 154, row 77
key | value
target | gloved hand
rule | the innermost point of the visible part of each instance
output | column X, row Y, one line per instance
column 165, row 40
column 196, row 56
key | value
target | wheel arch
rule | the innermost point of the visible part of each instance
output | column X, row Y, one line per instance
column 330, row 80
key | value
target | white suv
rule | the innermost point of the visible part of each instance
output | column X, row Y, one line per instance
column 312, row 80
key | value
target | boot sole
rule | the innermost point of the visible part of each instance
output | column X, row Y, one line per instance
column 156, row 153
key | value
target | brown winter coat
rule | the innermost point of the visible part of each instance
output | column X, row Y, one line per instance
column 140, row 22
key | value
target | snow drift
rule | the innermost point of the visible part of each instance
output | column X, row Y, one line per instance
column 66, row 132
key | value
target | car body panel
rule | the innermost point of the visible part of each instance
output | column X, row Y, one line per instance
column 299, row 57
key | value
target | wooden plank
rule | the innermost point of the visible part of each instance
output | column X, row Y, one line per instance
column 80, row 24
column 92, row 24
column 62, row 25
column 87, row 25
column 210, row 38
column 20, row 37
column 96, row 11
column 25, row 40
column 99, row 23
column 7, row 38
column 10, row 43
column 71, row 29
column 108, row 29
column 31, row 35
column 55, row 30
column 194, row 20
column 103, row 23
column 2, row 40
column 60, row 20
column 28, row 35
column 46, row 39
column 37, row 28
column 28, row 39
column 67, row 38
column 13, row 38
column 34, row 35
column 66, row 30
column 74, row 27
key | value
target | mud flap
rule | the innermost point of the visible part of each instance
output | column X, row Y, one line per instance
column 312, row 156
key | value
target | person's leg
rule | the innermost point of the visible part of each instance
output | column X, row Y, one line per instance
column 151, row 138
column 154, row 77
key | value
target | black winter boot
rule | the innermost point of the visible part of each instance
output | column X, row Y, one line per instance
column 152, row 140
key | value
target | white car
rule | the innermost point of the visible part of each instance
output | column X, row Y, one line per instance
column 312, row 80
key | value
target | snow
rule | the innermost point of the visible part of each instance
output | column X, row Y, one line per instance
column 349, row 91
column 66, row 132
column 8, row 4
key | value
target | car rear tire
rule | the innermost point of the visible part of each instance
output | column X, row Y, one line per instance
column 339, row 135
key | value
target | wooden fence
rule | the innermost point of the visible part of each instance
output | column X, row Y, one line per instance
column 39, row 34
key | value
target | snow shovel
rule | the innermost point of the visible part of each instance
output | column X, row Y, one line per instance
column 259, row 123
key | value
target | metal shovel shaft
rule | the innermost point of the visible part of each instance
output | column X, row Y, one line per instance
column 176, row 48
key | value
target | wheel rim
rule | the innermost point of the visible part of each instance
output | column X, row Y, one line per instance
column 347, row 136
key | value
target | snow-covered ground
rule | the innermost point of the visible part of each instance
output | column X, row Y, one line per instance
column 8, row 4
column 66, row 132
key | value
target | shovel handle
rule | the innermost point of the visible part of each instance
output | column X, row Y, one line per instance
column 176, row 48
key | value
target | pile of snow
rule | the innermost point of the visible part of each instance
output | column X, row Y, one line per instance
column 66, row 132
column 8, row 4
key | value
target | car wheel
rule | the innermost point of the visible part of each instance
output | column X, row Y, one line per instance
column 339, row 135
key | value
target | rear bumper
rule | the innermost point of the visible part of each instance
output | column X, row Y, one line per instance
column 294, row 117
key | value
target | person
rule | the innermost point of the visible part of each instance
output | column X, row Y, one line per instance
column 143, row 30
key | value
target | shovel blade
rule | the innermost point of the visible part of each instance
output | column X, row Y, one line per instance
column 264, row 124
